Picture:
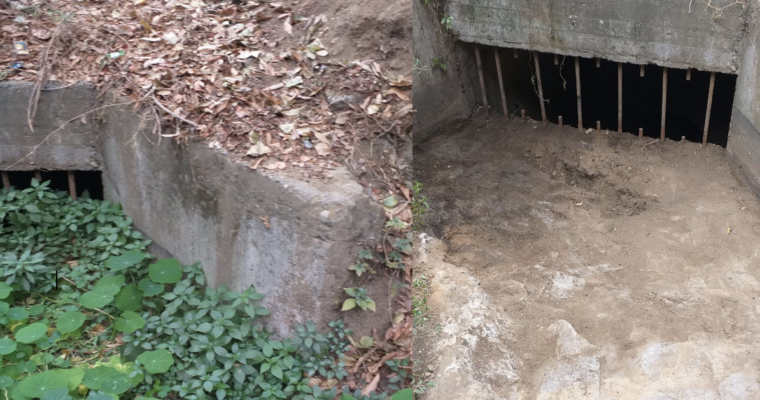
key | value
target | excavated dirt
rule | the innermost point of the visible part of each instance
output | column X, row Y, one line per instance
column 573, row 265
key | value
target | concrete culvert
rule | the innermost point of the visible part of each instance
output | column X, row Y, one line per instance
column 596, row 263
column 290, row 238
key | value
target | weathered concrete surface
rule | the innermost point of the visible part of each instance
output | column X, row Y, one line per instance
column 198, row 205
column 70, row 149
column 674, row 34
column 440, row 97
column 743, row 149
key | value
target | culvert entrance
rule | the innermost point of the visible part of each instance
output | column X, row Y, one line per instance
column 88, row 184
column 619, row 96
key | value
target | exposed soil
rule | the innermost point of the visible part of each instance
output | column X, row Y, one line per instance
column 580, row 265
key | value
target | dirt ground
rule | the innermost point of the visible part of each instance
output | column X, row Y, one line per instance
column 572, row 265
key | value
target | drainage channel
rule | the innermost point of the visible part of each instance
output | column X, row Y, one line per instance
column 648, row 100
column 86, row 184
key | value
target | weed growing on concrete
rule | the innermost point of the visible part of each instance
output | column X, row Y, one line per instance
column 419, row 206
column 438, row 63
column 358, row 297
column 446, row 22
column 420, row 307
column 86, row 313
column 361, row 266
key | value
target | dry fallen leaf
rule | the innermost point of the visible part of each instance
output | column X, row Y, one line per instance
column 322, row 148
column 258, row 149
column 288, row 27
column 372, row 386
column 42, row 34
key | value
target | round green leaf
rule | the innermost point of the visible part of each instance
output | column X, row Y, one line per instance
column 37, row 385
column 5, row 381
column 5, row 290
column 99, row 297
column 70, row 321
column 129, row 322
column 165, row 271
column 17, row 314
column 4, row 307
column 115, row 280
column 129, row 299
column 7, row 346
column 405, row 394
column 150, row 288
column 124, row 261
column 156, row 362
column 106, row 379
column 31, row 333
column 57, row 394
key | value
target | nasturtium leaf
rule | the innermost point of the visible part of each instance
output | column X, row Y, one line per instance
column 70, row 321
column 17, row 314
column 5, row 381
column 4, row 307
column 99, row 297
column 129, row 322
column 74, row 376
column 156, row 362
column 7, row 346
column 129, row 299
column 167, row 270
column 31, row 333
column 405, row 394
column 92, row 395
column 36, row 310
column 106, row 379
column 37, row 385
column 115, row 280
column 5, row 290
column 127, row 259
column 150, row 288
column 57, row 394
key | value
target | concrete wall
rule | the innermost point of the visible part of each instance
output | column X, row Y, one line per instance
column 441, row 98
column 200, row 206
column 69, row 149
column 668, row 33
column 743, row 150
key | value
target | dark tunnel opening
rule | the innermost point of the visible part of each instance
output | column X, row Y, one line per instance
column 89, row 184
column 642, row 96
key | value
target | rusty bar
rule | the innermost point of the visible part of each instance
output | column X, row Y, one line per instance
column 72, row 185
column 709, row 107
column 38, row 176
column 641, row 133
column 664, row 101
column 516, row 53
column 522, row 114
column 598, row 126
column 683, row 139
column 688, row 74
column 620, row 97
column 598, row 62
column 501, row 84
column 556, row 59
column 540, row 88
column 641, row 71
column 482, row 81
column 561, row 125
column 578, row 92
column 6, row 180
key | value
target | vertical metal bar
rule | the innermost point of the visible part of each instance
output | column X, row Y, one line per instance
column 709, row 107
column 561, row 125
column 688, row 74
column 641, row 71
column 641, row 133
column 664, row 101
column 6, row 180
column 482, row 81
column 578, row 92
column 72, row 185
column 516, row 53
column 598, row 62
column 38, row 176
column 540, row 88
column 598, row 126
column 556, row 59
column 501, row 84
column 620, row 97
column 522, row 114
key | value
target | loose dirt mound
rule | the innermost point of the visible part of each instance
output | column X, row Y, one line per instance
column 610, row 268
